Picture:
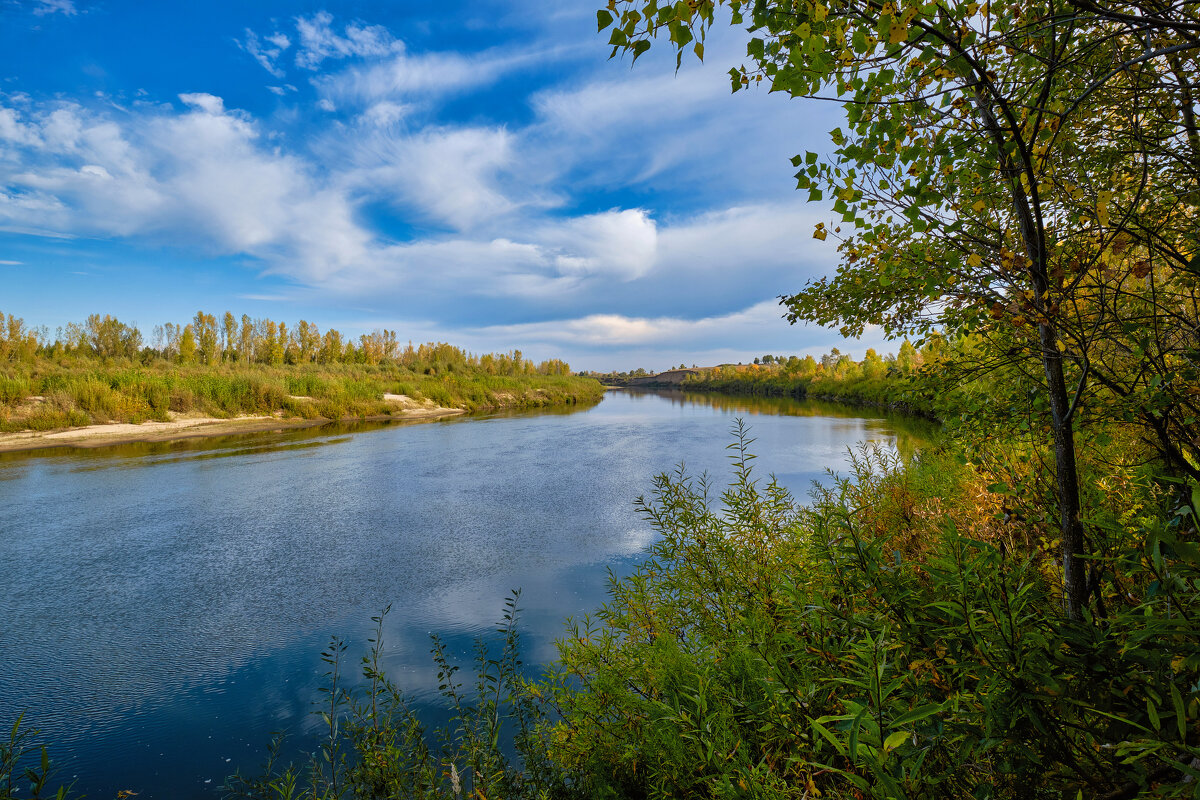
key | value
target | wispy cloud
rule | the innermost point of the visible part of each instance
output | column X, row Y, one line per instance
column 319, row 41
column 267, row 50
column 64, row 7
column 413, row 77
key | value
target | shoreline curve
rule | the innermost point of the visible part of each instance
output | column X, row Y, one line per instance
column 90, row 436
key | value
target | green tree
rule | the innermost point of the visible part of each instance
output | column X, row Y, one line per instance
column 967, row 175
column 207, row 337
column 229, row 332
column 872, row 365
column 332, row 348
column 246, row 343
column 308, row 341
column 187, row 346
column 108, row 337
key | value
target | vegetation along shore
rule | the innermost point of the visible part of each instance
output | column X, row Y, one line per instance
column 888, row 382
column 203, row 378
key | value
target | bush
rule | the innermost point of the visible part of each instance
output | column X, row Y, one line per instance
column 864, row 647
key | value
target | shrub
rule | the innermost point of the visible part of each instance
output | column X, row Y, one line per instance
column 864, row 647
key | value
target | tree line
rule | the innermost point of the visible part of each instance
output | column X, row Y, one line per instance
column 207, row 340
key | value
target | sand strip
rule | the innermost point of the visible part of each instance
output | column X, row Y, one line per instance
column 186, row 427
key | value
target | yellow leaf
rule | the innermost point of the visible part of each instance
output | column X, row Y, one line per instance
column 974, row 260
column 820, row 233
column 979, row 206
column 819, row 13
column 897, row 33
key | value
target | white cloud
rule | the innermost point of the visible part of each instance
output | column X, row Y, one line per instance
column 318, row 41
column 13, row 131
column 201, row 178
column 616, row 329
column 621, row 244
column 64, row 7
column 415, row 77
column 205, row 102
column 385, row 113
column 266, row 51
column 451, row 176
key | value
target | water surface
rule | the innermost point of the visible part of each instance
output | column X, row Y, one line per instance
column 163, row 606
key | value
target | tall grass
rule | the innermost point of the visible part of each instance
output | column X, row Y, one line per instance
column 84, row 391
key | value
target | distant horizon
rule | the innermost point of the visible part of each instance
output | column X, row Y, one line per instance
column 48, row 335
column 466, row 174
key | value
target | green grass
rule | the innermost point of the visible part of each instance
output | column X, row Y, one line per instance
column 84, row 391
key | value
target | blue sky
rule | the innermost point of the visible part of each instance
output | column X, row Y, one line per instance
column 476, row 172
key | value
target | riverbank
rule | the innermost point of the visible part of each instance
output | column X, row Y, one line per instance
column 194, row 426
column 50, row 402
column 893, row 394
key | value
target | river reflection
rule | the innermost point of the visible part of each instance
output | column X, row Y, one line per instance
column 164, row 605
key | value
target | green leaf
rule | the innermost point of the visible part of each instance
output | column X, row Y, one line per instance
column 918, row 713
column 1180, row 716
column 833, row 740
column 603, row 19
column 894, row 740
column 854, row 726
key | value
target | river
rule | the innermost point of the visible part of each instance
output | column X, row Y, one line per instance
column 163, row 606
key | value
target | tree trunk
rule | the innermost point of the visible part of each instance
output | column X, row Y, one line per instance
column 1066, row 472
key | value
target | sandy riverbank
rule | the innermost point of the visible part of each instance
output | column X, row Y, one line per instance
column 184, row 426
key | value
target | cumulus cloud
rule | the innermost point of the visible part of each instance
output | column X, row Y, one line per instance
column 14, row 131
column 201, row 178
column 205, row 102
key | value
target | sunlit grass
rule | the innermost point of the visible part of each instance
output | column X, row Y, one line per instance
column 81, row 392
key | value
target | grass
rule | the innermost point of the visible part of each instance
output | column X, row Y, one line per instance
column 48, row 394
